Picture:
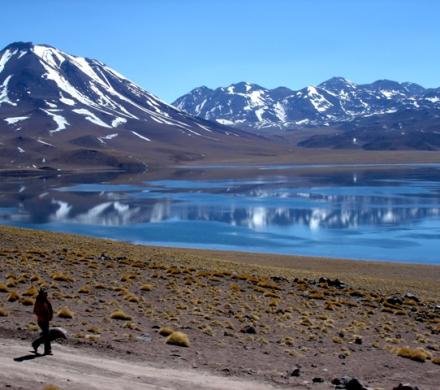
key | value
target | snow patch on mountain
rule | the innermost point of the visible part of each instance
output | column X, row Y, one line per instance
column 91, row 117
column 17, row 119
column 59, row 120
column 141, row 136
column 4, row 92
column 118, row 121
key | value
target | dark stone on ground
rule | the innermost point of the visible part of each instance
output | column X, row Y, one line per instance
column 249, row 329
column 405, row 386
column 348, row 383
column 395, row 300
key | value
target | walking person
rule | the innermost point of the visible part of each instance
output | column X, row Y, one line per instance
column 43, row 311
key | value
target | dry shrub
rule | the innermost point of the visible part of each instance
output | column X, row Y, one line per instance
column 51, row 387
column 178, row 338
column 27, row 301
column 3, row 312
column 84, row 290
column 289, row 341
column 119, row 314
column 127, row 277
column 31, row 292
column 270, row 294
column 32, row 326
column 65, row 312
column 131, row 325
column 13, row 296
column 417, row 354
column 94, row 330
column 11, row 282
column 234, row 287
column 131, row 298
column 436, row 360
column 3, row 288
column 146, row 287
column 316, row 295
column 268, row 284
column 166, row 331
column 61, row 277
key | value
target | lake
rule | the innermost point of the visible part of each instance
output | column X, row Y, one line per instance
column 359, row 212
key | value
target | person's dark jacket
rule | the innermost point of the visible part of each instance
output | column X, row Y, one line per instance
column 43, row 309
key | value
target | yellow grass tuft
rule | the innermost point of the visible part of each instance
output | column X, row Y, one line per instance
column 165, row 331
column 119, row 314
column 65, row 312
column 178, row 338
column 268, row 284
column 11, row 282
column 27, row 301
column 3, row 288
column 131, row 298
column 234, row 287
column 51, row 387
column 61, row 277
column 417, row 354
column 3, row 312
column 31, row 292
column 270, row 294
column 127, row 277
column 84, row 290
column 13, row 296
column 94, row 330
column 436, row 360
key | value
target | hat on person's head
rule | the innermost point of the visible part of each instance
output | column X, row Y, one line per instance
column 42, row 291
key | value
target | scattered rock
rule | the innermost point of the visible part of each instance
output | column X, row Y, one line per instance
column 394, row 300
column 412, row 297
column 144, row 337
column 405, row 386
column 278, row 279
column 348, row 383
column 296, row 372
column 318, row 380
column 249, row 329
column 332, row 282
column 358, row 340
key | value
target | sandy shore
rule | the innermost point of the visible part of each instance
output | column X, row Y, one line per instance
column 248, row 316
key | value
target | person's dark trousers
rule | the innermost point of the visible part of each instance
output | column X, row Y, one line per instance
column 44, row 338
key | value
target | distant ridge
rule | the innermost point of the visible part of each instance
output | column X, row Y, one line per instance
column 334, row 101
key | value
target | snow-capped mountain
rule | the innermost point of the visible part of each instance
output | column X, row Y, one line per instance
column 331, row 102
column 48, row 97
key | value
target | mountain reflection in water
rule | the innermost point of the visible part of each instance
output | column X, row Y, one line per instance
column 316, row 214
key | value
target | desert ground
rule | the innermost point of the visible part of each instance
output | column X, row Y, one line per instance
column 212, row 319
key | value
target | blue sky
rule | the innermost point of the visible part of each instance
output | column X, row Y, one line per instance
column 171, row 46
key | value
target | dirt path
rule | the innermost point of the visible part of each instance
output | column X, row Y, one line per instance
column 75, row 369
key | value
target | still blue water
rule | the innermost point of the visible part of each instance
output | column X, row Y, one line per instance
column 379, row 214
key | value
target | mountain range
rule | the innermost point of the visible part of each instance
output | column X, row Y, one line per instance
column 58, row 109
column 332, row 102
column 61, row 111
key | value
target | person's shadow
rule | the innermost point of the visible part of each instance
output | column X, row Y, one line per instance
column 28, row 357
